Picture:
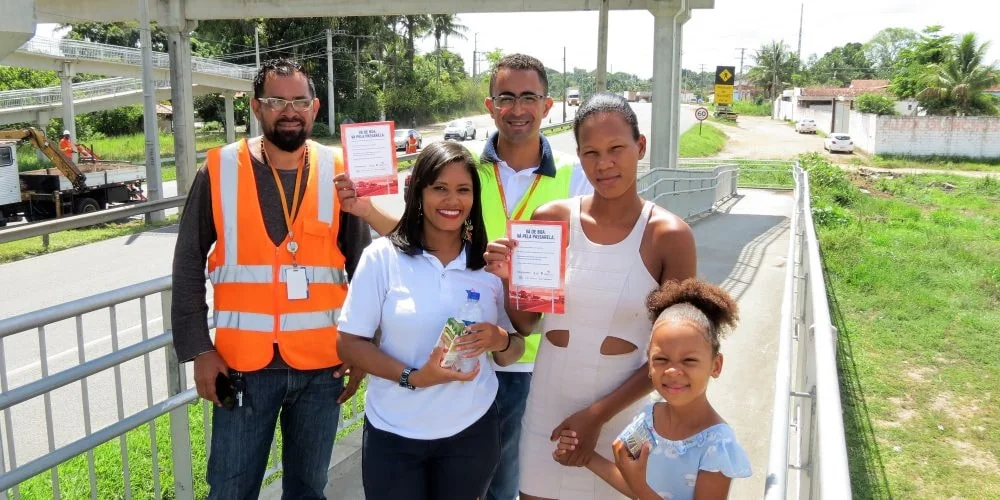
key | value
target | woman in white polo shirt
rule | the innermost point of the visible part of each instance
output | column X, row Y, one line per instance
column 430, row 432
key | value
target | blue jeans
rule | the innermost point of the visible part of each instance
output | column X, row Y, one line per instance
column 459, row 467
column 512, row 398
column 241, row 438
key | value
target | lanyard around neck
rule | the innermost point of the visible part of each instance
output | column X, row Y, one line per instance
column 294, row 210
column 503, row 197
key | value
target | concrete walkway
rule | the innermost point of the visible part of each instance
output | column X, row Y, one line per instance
column 743, row 247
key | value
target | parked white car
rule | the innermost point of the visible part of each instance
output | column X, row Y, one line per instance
column 839, row 142
column 460, row 129
column 805, row 126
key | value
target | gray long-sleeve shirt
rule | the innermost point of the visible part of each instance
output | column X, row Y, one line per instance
column 196, row 235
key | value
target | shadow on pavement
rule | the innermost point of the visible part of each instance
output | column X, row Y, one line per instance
column 731, row 247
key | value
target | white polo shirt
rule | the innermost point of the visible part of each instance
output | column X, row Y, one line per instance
column 410, row 298
column 515, row 184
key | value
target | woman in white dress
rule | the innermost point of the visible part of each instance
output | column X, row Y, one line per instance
column 590, row 375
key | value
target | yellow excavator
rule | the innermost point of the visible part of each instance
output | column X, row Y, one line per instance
column 55, row 155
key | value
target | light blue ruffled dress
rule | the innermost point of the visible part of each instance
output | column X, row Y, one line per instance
column 673, row 465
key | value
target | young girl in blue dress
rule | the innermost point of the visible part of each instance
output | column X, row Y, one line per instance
column 689, row 450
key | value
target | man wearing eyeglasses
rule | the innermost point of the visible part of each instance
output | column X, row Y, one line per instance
column 262, row 213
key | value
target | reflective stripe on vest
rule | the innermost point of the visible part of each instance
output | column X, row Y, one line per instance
column 262, row 274
column 264, row 323
column 495, row 216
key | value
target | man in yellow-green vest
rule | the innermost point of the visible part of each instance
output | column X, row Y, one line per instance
column 519, row 172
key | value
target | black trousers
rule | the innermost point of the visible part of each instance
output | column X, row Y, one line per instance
column 459, row 467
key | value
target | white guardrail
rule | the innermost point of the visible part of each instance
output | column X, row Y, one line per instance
column 77, row 49
column 807, row 427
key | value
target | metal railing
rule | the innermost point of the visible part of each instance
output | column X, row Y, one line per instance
column 690, row 192
column 92, row 51
column 13, row 100
column 118, row 304
column 807, row 428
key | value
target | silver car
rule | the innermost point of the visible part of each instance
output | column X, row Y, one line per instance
column 460, row 129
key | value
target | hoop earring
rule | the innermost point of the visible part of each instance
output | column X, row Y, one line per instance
column 467, row 233
column 420, row 211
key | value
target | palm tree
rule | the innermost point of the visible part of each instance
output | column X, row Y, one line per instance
column 958, row 85
column 416, row 27
column 775, row 65
column 443, row 26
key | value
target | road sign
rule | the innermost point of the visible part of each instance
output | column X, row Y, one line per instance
column 701, row 114
column 724, row 94
column 724, row 75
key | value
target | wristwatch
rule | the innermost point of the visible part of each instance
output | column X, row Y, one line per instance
column 404, row 379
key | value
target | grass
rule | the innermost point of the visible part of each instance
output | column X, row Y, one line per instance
column 22, row 249
column 74, row 473
column 707, row 143
column 126, row 148
column 914, row 280
column 933, row 163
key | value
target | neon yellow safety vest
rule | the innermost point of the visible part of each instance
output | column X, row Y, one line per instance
column 495, row 216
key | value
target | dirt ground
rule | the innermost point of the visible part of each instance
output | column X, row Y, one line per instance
column 761, row 138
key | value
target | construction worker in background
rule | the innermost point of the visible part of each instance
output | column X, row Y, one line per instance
column 66, row 145
column 411, row 143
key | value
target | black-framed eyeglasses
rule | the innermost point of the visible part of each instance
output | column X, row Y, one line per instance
column 279, row 104
column 507, row 101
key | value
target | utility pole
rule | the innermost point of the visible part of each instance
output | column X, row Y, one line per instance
column 357, row 66
column 601, row 83
column 802, row 13
column 564, row 84
column 740, row 77
column 254, row 126
column 154, row 181
column 330, row 95
column 701, row 78
column 475, row 54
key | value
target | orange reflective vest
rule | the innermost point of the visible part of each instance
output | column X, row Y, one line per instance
column 252, row 310
column 66, row 146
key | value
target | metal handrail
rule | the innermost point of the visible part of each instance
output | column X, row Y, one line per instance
column 834, row 475
column 806, row 335
column 84, row 220
column 77, row 49
column 12, row 100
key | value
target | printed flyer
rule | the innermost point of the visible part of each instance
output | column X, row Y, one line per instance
column 538, row 266
column 370, row 157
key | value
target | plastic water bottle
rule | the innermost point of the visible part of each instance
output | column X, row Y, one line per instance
column 470, row 314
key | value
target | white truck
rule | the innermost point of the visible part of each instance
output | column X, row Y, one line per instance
column 573, row 96
column 65, row 189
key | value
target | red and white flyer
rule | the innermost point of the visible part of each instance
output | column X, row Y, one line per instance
column 538, row 266
column 370, row 157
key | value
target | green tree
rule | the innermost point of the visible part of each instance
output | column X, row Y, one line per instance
column 15, row 78
column 878, row 104
column 774, row 66
column 841, row 65
column 958, row 85
column 417, row 26
column 885, row 48
column 444, row 26
column 913, row 64
column 123, row 34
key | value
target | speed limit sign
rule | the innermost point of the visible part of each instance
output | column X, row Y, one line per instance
column 701, row 113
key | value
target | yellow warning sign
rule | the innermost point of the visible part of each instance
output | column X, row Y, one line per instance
column 723, row 94
column 724, row 75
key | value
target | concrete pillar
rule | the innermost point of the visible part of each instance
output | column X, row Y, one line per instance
column 182, row 99
column 601, row 80
column 675, row 118
column 69, row 115
column 667, row 19
column 230, row 118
